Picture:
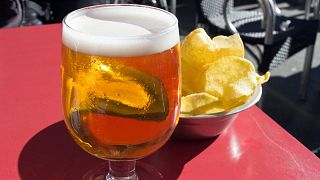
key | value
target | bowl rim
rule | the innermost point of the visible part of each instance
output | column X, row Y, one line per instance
column 252, row 101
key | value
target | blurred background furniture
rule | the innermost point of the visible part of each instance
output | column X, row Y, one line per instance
column 157, row 3
column 11, row 13
column 14, row 13
column 280, row 37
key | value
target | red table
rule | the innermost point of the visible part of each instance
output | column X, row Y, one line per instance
column 35, row 144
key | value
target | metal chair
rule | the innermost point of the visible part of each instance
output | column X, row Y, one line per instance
column 11, row 13
column 158, row 3
column 280, row 36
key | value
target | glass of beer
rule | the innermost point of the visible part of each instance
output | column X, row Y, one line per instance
column 120, row 82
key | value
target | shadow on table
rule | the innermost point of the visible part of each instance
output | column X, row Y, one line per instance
column 52, row 154
column 172, row 157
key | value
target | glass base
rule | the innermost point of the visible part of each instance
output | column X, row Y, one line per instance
column 143, row 170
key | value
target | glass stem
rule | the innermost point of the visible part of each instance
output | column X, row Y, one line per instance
column 122, row 170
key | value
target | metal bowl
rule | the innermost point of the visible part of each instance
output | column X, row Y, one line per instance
column 196, row 127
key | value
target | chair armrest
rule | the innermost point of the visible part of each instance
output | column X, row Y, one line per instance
column 163, row 4
column 317, row 10
column 270, row 11
column 315, row 6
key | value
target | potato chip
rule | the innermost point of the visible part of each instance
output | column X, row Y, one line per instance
column 215, row 76
column 232, row 79
column 220, row 74
column 195, row 101
column 264, row 78
column 215, row 107
column 229, row 45
column 197, row 50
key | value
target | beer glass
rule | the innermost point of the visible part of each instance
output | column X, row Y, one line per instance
column 120, row 82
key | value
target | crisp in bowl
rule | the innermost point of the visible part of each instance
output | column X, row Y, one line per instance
column 197, row 127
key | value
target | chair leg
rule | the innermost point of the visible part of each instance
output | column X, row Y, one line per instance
column 266, row 59
column 306, row 72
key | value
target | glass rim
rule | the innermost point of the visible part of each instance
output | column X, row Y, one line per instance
column 164, row 31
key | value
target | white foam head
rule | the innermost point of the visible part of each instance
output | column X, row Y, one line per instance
column 120, row 30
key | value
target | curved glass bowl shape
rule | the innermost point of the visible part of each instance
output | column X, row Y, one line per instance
column 120, row 82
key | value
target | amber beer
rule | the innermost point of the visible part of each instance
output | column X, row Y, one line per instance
column 120, row 81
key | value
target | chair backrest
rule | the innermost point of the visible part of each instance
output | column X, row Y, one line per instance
column 213, row 8
column 222, row 8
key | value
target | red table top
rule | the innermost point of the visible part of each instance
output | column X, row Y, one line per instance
column 36, row 145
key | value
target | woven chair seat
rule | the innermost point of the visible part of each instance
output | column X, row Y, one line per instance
column 238, row 18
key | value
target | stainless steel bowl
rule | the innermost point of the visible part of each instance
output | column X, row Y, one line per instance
column 196, row 127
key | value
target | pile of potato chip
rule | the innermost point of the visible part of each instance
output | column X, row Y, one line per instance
column 215, row 75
